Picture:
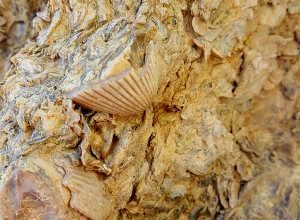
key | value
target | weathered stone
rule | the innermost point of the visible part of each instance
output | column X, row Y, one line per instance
column 198, row 111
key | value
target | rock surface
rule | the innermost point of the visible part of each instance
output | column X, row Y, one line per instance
column 15, row 28
column 219, row 141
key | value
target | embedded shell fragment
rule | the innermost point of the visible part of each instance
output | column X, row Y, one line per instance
column 125, row 93
column 121, row 89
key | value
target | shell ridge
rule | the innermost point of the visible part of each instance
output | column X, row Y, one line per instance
column 134, row 86
column 128, row 102
column 108, row 100
column 126, row 94
column 78, row 176
column 92, row 105
column 146, row 80
column 101, row 83
column 112, row 99
column 96, row 102
column 134, row 95
column 97, row 105
column 145, row 83
column 73, row 183
column 142, row 90
column 154, row 79
column 142, row 79
column 149, row 79
column 84, row 202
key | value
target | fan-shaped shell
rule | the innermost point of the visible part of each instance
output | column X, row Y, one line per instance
column 89, row 195
column 125, row 93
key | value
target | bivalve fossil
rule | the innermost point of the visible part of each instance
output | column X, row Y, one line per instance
column 125, row 93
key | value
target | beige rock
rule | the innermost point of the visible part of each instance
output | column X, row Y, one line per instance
column 248, row 4
column 294, row 7
column 279, row 189
column 15, row 26
column 200, row 26
column 2, row 37
column 272, row 16
column 297, row 32
column 2, row 21
column 234, row 190
column 209, row 92
column 291, row 49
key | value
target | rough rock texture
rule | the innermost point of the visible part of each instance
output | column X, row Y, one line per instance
column 220, row 140
column 16, row 28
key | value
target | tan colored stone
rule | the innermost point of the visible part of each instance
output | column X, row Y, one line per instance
column 218, row 131
column 294, row 7
column 200, row 26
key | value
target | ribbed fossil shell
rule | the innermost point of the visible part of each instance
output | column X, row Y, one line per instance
column 89, row 195
column 125, row 93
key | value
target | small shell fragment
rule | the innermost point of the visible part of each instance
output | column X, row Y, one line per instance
column 199, row 26
column 86, row 187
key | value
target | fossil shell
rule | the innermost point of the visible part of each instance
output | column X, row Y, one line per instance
column 89, row 195
column 125, row 93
